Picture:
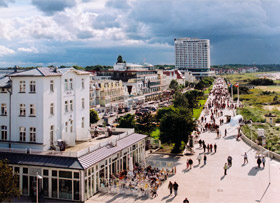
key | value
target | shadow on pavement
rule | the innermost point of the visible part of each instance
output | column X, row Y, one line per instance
column 170, row 200
column 222, row 178
column 165, row 197
column 202, row 166
column 195, row 166
column 230, row 137
column 253, row 171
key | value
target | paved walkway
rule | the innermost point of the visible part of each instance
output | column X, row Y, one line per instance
column 207, row 183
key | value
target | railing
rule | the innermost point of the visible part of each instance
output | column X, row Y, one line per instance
column 127, row 132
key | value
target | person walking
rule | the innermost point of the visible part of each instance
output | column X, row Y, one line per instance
column 245, row 158
column 225, row 132
column 225, row 169
column 199, row 159
column 186, row 200
column 211, row 148
column 229, row 159
column 215, row 147
column 187, row 164
column 263, row 161
column 204, row 147
column 205, row 159
column 259, row 161
column 175, row 187
column 190, row 163
column 170, row 187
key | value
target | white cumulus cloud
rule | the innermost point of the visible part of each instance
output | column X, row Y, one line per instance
column 29, row 50
column 5, row 51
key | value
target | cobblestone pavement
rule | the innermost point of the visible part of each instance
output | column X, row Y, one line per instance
column 207, row 183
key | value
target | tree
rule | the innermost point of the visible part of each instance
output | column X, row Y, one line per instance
column 119, row 59
column 163, row 111
column 78, row 67
column 174, row 85
column 8, row 183
column 176, row 127
column 192, row 97
column 127, row 121
column 145, row 124
column 180, row 100
column 187, row 83
column 93, row 115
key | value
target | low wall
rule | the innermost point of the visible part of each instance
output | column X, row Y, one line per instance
column 254, row 145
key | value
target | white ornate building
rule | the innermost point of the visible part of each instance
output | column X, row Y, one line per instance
column 48, row 104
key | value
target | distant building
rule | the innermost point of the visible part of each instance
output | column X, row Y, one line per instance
column 193, row 55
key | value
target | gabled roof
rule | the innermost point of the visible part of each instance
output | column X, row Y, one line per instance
column 5, row 82
column 46, row 71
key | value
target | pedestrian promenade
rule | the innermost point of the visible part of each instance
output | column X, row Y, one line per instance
column 207, row 183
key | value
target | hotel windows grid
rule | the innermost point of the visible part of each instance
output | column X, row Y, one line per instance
column 32, row 86
column 52, row 109
column 51, row 86
column 3, row 110
column 32, row 110
column 22, row 134
column 4, row 132
column 32, row 134
column 22, row 109
column 22, row 86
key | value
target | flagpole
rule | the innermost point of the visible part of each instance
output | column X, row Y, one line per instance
column 231, row 92
column 238, row 95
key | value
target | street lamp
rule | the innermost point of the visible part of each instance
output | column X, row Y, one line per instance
column 37, row 179
column 250, row 125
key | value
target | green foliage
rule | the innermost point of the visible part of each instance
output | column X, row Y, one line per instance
column 78, row 67
column 205, row 82
column 187, row 83
column 145, row 124
column 127, row 121
column 176, row 126
column 180, row 100
column 155, row 134
column 174, row 85
column 97, row 68
column 165, row 110
column 262, row 82
column 93, row 116
column 192, row 97
column 8, row 182
column 120, row 59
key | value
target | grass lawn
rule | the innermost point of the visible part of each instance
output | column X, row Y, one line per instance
column 197, row 111
column 155, row 134
column 272, row 88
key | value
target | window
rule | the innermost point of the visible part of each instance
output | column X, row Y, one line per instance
column 32, row 87
column 4, row 132
column 3, row 110
column 51, row 86
column 71, row 83
column 22, row 109
column 83, row 103
column 65, row 84
column 83, row 83
column 83, row 122
column 32, row 134
column 71, row 126
column 22, row 134
column 22, row 86
column 66, row 106
column 51, row 135
column 52, row 109
column 32, row 110
column 66, row 126
column 71, row 105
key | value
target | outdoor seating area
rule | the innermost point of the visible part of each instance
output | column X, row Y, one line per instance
column 139, row 182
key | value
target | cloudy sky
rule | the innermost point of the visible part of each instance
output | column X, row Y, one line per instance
column 90, row 32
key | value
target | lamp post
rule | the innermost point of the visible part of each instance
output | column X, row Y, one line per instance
column 250, row 125
column 37, row 179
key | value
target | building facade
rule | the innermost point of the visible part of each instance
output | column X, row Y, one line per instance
column 193, row 55
column 43, row 106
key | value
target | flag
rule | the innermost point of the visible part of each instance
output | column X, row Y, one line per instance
column 236, row 85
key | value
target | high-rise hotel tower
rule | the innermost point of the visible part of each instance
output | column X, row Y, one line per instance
column 193, row 55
